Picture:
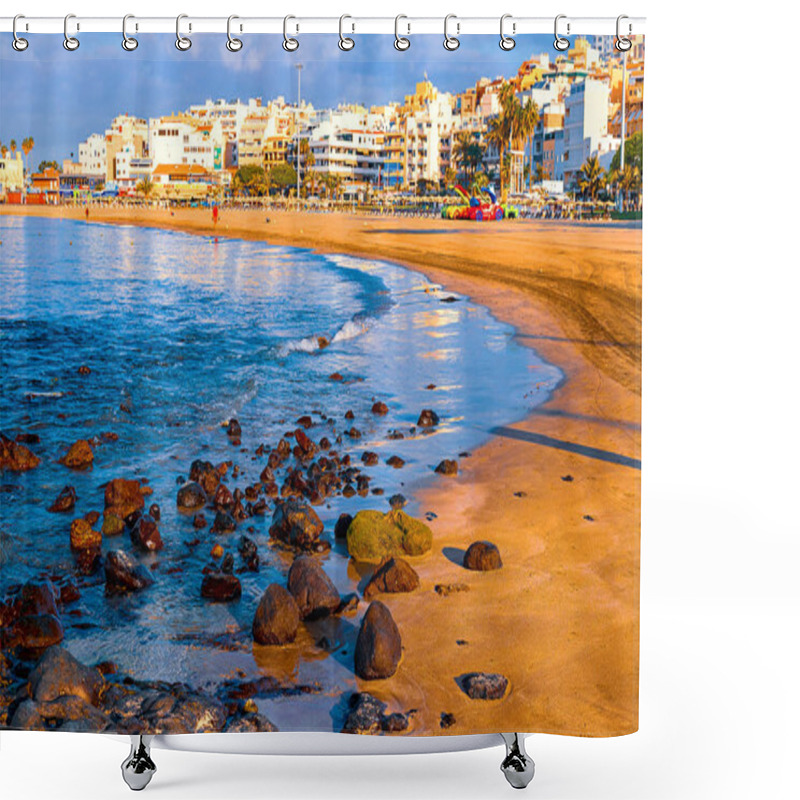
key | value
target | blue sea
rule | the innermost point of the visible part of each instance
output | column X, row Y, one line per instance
column 190, row 331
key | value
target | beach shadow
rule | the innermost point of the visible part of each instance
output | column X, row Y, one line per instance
column 455, row 555
column 341, row 634
column 569, row 447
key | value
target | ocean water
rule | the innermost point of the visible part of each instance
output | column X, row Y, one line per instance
column 188, row 332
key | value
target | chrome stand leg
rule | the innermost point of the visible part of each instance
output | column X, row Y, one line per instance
column 517, row 766
column 138, row 768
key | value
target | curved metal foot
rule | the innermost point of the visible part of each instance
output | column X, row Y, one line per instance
column 517, row 766
column 138, row 768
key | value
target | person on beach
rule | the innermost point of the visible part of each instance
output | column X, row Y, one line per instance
column 87, row 213
column 215, row 214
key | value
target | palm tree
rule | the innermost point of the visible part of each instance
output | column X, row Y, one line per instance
column 13, row 145
column 145, row 186
column 504, row 128
column 27, row 146
column 528, row 118
column 591, row 177
column 3, row 150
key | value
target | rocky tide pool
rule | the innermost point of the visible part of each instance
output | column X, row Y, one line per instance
column 290, row 379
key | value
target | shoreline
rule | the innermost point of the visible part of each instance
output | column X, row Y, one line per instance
column 567, row 595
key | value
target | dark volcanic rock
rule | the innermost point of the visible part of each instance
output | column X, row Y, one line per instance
column 396, row 462
column 220, row 587
column 483, row 685
column 380, row 408
column 38, row 597
column 123, row 574
column 65, row 501
column 428, row 418
column 249, row 553
column 447, row 467
column 277, row 617
column 482, row 556
column 223, row 523
column 296, row 524
column 16, row 457
column 393, row 575
column 223, row 498
column 123, row 497
column 378, row 647
column 191, row 496
column 145, row 535
column 234, row 428
column 59, row 673
column 79, row 455
column 342, row 524
column 206, row 474
column 369, row 458
column 83, row 537
column 367, row 714
column 446, row 720
column 312, row 589
column 250, row 723
column 39, row 631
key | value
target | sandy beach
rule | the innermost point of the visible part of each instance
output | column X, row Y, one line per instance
column 558, row 493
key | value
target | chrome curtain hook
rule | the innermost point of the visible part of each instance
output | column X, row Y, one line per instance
column 345, row 42
column 70, row 42
column 401, row 42
column 507, row 42
column 289, row 44
column 128, row 42
column 622, row 43
column 233, row 44
column 182, row 42
column 561, row 43
column 451, row 42
column 19, row 44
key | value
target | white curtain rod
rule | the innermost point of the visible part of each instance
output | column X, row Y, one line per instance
column 406, row 26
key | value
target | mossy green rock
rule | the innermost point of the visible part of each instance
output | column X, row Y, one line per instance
column 373, row 535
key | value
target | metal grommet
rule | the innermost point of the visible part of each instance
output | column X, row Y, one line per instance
column 233, row 44
column 289, row 44
column 561, row 43
column 400, row 42
column 128, row 42
column 19, row 44
column 345, row 42
column 622, row 43
column 507, row 42
column 182, row 42
column 451, row 43
column 70, row 42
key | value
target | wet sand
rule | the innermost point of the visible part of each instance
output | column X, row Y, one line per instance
column 565, row 605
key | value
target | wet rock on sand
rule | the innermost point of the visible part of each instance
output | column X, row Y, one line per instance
column 65, row 501
column 342, row 524
column 296, row 524
column 79, row 456
column 380, row 408
column 312, row 589
column 483, row 685
column 378, row 647
column 447, row 467
column 428, row 418
column 191, row 496
column 373, row 535
column 367, row 715
column 392, row 576
column 206, row 474
column 16, row 457
column 124, row 575
column 277, row 617
column 39, row 631
column 482, row 557
column 59, row 673
column 220, row 587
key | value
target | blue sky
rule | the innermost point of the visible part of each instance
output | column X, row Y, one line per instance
column 60, row 97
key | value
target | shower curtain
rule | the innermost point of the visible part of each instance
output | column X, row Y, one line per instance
column 321, row 385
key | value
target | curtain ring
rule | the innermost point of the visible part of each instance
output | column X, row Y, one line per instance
column 451, row 43
column 233, row 44
column 623, row 43
column 19, row 44
column 345, row 42
column 289, row 44
column 401, row 43
column 561, row 43
column 507, row 42
column 128, row 42
column 70, row 42
column 182, row 42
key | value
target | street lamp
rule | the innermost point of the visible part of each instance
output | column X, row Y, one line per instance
column 297, row 127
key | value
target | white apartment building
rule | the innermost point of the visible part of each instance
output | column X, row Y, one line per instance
column 585, row 123
column 93, row 156
column 12, row 174
column 183, row 140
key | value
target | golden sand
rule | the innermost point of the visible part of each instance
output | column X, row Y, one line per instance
column 561, row 618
